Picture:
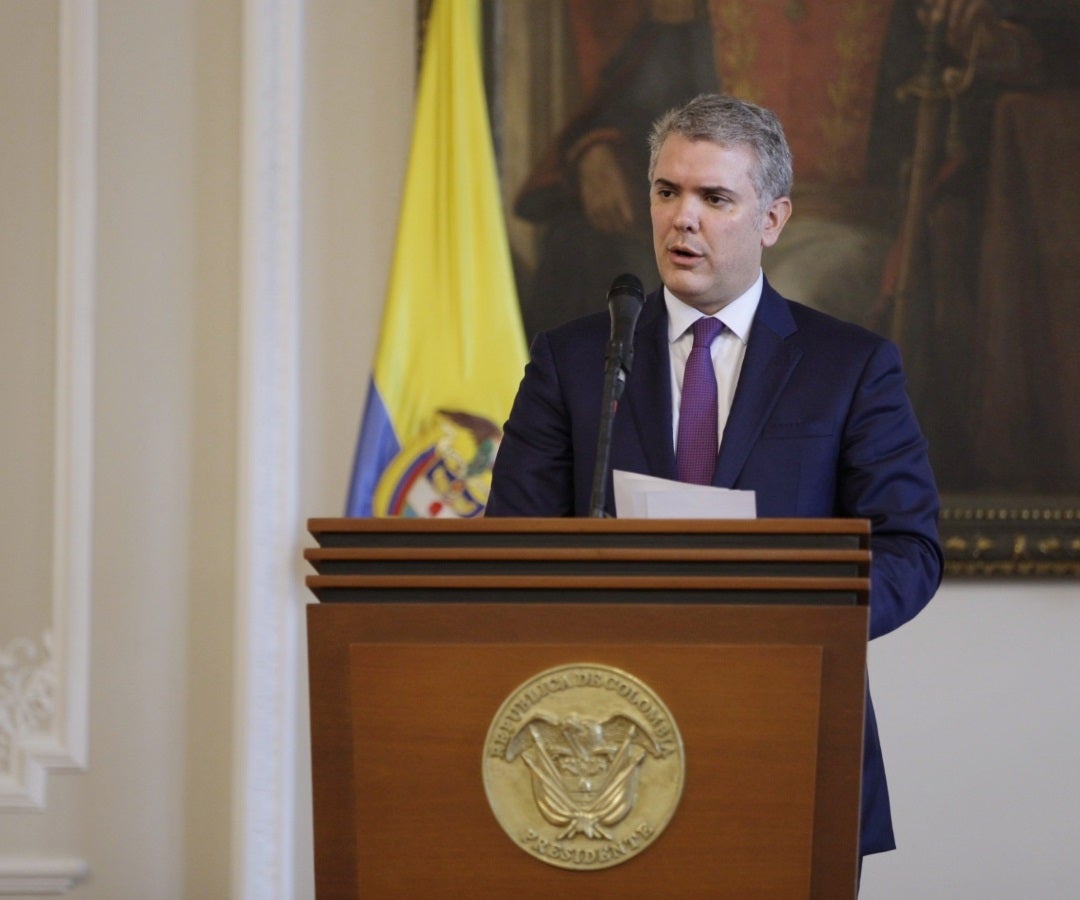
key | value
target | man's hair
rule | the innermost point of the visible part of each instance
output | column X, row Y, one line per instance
column 731, row 122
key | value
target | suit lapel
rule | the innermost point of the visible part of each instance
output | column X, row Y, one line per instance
column 766, row 368
column 648, row 391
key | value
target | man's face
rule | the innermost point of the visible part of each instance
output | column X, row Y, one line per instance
column 708, row 227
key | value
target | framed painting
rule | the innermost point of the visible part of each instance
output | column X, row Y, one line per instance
column 934, row 203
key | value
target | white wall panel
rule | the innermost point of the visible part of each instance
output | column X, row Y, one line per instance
column 47, row 239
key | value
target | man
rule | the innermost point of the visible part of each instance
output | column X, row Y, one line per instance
column 811, row 412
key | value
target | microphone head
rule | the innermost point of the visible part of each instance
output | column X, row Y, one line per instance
column 625, row 298
column 627, row 284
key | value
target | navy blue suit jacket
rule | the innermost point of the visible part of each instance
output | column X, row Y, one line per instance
column 820, row 427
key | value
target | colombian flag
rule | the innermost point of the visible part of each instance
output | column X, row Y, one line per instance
column 451, row 347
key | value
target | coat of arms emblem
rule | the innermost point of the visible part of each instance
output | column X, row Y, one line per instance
column 583, row 766
column 443, row 472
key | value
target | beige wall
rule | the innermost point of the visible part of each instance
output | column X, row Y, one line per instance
column 153, row 812
column 985, row 781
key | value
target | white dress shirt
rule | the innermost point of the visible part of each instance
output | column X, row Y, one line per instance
column 728, row 349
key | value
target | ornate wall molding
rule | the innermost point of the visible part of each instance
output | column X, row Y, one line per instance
column 28, row 692
column 40, row 876
column 44, row 687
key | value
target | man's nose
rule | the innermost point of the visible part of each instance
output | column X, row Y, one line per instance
column 687, row 216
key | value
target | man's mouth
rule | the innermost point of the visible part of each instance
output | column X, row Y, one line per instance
column 684, row 253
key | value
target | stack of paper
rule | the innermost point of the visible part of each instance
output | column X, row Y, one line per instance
column 645, row 497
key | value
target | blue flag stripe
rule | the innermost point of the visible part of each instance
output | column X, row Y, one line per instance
column 376, row 447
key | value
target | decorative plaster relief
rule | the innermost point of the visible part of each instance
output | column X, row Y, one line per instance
column 27, row 705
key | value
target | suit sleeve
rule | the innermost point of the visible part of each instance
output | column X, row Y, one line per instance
column 885, row 476
column 533, row 474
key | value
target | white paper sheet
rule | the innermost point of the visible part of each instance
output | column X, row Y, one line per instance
column 646, row 497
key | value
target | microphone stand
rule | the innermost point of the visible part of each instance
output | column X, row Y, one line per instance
column 625, row 299
column 614, row 381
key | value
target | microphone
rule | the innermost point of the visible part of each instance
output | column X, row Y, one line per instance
column 625, row 299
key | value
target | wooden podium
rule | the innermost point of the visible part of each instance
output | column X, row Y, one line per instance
column 753, row 634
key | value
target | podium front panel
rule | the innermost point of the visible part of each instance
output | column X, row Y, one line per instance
column 768, row 700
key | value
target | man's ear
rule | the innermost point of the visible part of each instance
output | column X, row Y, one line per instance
column 774, row 220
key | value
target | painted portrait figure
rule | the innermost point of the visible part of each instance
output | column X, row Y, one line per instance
column 932, row 142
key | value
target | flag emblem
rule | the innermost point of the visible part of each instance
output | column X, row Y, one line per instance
column 444, row 473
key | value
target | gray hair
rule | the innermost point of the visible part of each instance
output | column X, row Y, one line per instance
column 731, row 122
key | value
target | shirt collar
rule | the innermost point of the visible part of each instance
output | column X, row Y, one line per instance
column 737, row 316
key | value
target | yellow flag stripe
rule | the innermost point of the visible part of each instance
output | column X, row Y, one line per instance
column 451, row 335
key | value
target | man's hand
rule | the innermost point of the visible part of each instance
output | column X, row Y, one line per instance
column 998, row 48
column 962, row 20
column 604, row 195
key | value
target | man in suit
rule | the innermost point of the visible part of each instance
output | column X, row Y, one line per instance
column 811, row 412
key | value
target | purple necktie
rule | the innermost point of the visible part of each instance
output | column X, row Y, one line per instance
column 695, row 455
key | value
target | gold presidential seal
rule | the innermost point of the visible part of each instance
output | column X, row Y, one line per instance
column 583, row 766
